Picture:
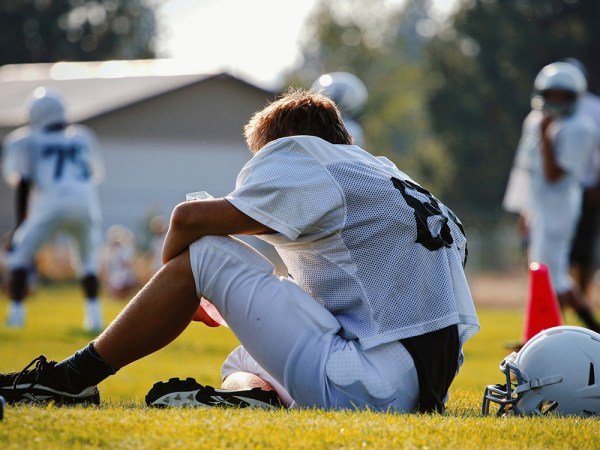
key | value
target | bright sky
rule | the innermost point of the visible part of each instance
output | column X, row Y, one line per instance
column 257, row 39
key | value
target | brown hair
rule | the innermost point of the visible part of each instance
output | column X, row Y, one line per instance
column 296, row 112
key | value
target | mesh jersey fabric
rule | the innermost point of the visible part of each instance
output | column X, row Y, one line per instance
column 383, row 255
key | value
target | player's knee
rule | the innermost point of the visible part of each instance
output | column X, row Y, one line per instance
column 210, row 242
column 16, row 261
column 236, row 250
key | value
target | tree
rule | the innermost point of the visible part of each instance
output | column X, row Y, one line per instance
column 38, row 31
column 482, row 68
column 378, row 44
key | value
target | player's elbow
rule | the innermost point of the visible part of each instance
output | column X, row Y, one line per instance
column 182, row 217
column 553, row 173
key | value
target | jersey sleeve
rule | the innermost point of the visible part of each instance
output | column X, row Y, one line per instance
column 574, row 146
column 285, row 188
column 16, row 158
column 517, row 193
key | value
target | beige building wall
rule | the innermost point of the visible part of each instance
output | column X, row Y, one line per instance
column 185, row 139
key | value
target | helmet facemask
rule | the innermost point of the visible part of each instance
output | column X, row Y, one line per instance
column 506, row 394
column 555, row 372
column 515, row 393
column 554, row 103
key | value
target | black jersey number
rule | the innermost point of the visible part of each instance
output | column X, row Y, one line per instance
column 424, row 210
column 66, row 154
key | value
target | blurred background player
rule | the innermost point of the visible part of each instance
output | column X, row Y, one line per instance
column 120, row 278
column 54, row 168
column 545, row 185
column 350, row 95
column 583, row 251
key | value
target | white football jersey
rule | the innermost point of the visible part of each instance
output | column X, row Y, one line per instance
column 57, row 162
column 574, row 140
column 63, row 167
column 381, row 253
column 552, row 208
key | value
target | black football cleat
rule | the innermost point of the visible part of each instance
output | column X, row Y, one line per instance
column 190, row 394
column 39, row 385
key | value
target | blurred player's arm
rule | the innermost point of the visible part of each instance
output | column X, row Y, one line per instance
column 552, row 170
column 193, row 219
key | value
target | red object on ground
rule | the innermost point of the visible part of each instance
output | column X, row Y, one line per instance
column 542, row 310
column 208, row 314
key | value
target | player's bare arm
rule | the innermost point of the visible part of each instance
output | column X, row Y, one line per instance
column 552, row 170
column 193, row 219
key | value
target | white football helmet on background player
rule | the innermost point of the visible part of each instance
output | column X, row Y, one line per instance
column 558, row 76
column 346, row 90
column 558, row 371
column 46, row 108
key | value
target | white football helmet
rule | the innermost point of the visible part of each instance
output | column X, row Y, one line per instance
column 46, row 107
column 345, row 89
column 557, row 370
column 558, row 76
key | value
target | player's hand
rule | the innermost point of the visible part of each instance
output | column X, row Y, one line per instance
column 545, row 124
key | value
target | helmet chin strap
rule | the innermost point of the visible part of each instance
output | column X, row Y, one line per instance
column 538, row 383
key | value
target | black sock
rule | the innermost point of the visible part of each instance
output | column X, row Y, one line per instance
column 83, row 369
column 587, row 318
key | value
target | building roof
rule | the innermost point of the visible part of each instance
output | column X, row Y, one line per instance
column 91, row 89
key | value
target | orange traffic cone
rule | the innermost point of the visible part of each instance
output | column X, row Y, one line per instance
column 542, row 310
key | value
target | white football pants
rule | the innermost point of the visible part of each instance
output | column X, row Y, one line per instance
column 550, row 240
column 47, row 216
column 293, row 338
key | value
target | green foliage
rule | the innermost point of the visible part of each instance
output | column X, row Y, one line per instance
column 122, row 421
column 368, row 40
column 39, row 31
column 482, row 69
column 448, row 109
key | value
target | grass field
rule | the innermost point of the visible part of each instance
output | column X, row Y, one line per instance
column 122, row 421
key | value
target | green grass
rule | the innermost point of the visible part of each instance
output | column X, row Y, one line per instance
column 122, row 421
